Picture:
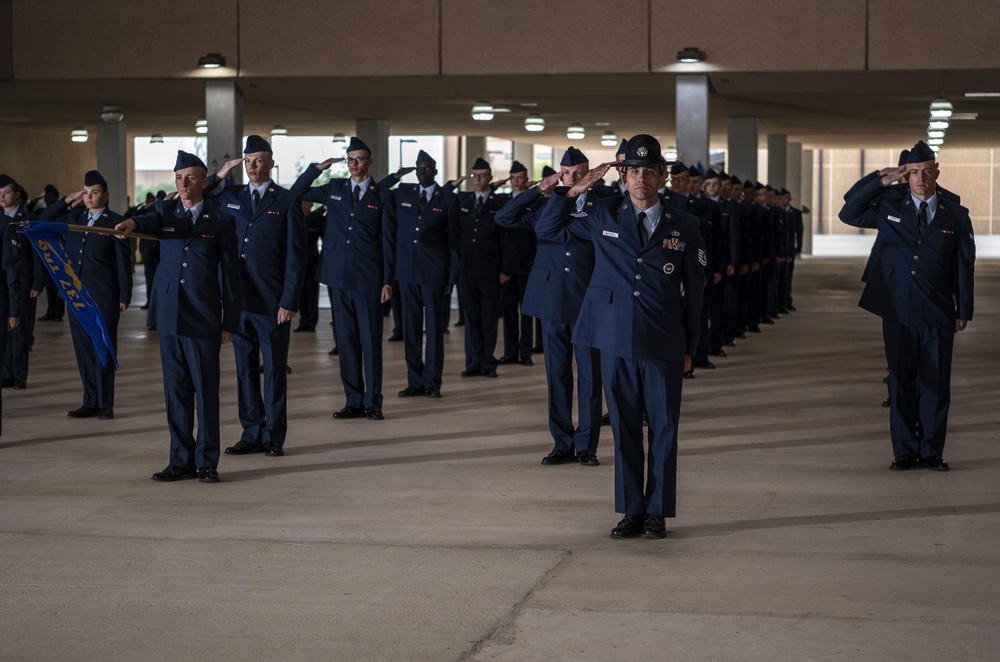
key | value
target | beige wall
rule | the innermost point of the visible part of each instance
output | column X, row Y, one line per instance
column 35, row 158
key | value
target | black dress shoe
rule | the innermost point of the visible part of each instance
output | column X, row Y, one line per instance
column 47, row 317
column 84, row 412
column 629, row 527
column 606, row 419
column 689, row 374
column 243, row 448
column 172, row 473
column 708, row 365
column 527, row 361
column 935, row 463
column 654, row 527
column 792, row 308
column 560, row 457
column 144, row 306
column 396, row 337
column 886, row 403
column 490, row 372
column 349, row 412
column 334, row 352
column 412, row 391
column 273, row 450
column 460, row 323
column 783, row 311
column 433, row 392
column 20, row 384
column 304, row 329
column 471, row 372
column 754, row 329
column 903, row 463
column 106, row 414
column 447, row 332
column 718, row 352
column 588, row 459
column 730, row 343
column 374, row 414
column 208, row 475
column 742, row 335
column 507, row 360
column 7, row 383
column 537, row 349
column 766, row 320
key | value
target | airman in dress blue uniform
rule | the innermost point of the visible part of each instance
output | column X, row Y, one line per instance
column 559, row 277
column 30, row 284
column 642, row 311
column 10, row 262
column 104, row 266
column 422, row 216
column 518, row 256
column 196, row 308
column 920, row 283
column 271, row 236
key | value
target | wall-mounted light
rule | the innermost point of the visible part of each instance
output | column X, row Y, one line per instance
column 79, row 135
column 941, row 107
column 534, row 123
column 339, row 139
column 609, row 139
column 211, row 61
column 278, row 130
column 575, row 132
column 201, row 126
column 691, row 55
column 112, row 114
column 156, row 139
column 482, row 111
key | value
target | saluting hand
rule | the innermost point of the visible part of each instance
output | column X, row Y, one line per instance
column 228, row 168
column 591, row 178
column 72, row 198
column 403, row 172
column 549, row 183
column 458, row 182
column 325, row 165
column 496, row 185
column 890, row 175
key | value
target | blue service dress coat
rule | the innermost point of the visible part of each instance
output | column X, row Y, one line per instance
column 196, row 296
column 556, row 286
column 104, row 265
column 634, row 312
column 919, row 282
column 31, row 276
column 427, row 262
column 358, row 259
column 10, row 292
column 272, row 247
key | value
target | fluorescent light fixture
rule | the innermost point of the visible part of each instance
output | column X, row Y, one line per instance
column 941, row 107
column 211, row 61
column 958, row 117
column 201, row 126
column 79, row 135
column 576, row 132
column 534, row 123
column 278, row 130
column 935, row 133
column 939, row 123
column 691, row 55
column 935, row 141
column 609, row 139
column 670, row 154
column 112, row 114
column 981, row 95
column 482, row 111
column 156, row 139
column 339, row 138
column 935, row 148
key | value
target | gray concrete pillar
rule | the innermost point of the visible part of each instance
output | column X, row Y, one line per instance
column 692, row 119
column 474, row 147
column 793, row 177
column 448, row 167
column 224, row 113
column 742, row 147
column 777, row 160
column 112, row 161
column 805, row 201
column 525, row 153
column 375, row 134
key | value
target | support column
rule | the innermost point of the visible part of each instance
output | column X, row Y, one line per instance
column 525, row 153
column 777, row 160
column 224, row 113
column 793, row 177
column 742, row 147
column 692, row 119
column 448, row 168
column 805, row 201
column 375, row 134
column 112, row 161
column 475, row 148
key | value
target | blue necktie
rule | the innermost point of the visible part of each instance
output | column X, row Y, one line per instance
column 922, row 217
column 641, row 220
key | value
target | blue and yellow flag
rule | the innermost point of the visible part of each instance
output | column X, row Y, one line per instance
column 47, row 240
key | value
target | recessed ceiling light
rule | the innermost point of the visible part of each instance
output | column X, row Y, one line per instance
column 212, row 61
column 79, row 135
column 482, row 111
column 609, row 139
column 278, row 130
column 156, row 139
column 201, row 126
column 941, row 107
column 534, row 123
column 576, row 132
column 691, row 55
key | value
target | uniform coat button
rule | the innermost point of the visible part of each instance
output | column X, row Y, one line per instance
column 635, row 294
column 566, row 269
column 183, row 281
column 639, row 260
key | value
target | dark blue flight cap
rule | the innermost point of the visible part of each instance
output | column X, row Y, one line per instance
column 642, row 151
column 481, row 164
column 749, row 184
column 722, row 175
column 517, row 167
column 547, row 171
column 94, row 178
column 736, row 180
column 257, row 144
column 694, row 172
column 759, row 187
column 161, row 194
column 621, row 148
column 5, row 181
column 188, row 160
column 768, row 187
column 573, row 157
column 905, row 154
column 783, row 191
column 358, row 145
column 920, row 153
column 678, row 168
column 424, row 157
column 711, row 174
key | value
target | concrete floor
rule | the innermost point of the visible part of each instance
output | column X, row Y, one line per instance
column 437, row 535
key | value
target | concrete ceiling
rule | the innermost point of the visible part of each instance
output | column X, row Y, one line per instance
column 828, row 109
